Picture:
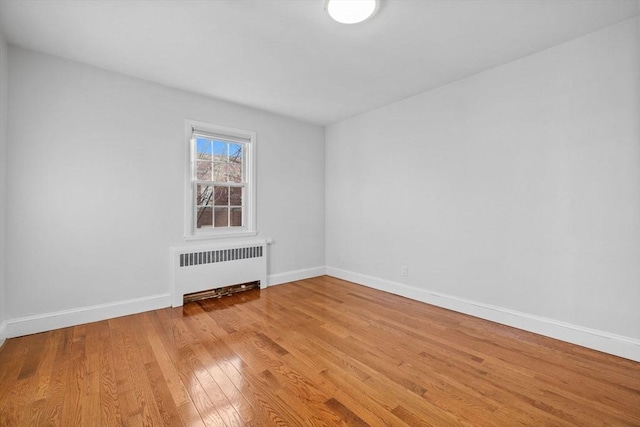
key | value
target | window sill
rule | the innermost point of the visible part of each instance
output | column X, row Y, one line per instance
column 220, row 235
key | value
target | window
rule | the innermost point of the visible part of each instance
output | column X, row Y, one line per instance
column 221, row 184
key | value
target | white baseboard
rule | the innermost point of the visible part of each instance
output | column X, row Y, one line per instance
column 62, row 319
column 292, row 276
column 3, row 336
column 617, row 345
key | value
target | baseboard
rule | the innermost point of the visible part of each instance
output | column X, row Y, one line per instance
column 292, row 276
column 3, row 336
column 617, row 345
column 62, row 319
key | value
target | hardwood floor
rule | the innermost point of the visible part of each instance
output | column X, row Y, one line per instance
column 316, row 352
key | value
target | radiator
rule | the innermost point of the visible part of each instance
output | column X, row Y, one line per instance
column 202, row 268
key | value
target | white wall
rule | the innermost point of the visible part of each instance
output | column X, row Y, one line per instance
column 4, row 73
column 513, row 195
column 95, row 193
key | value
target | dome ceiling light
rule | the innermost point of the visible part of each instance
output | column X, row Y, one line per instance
column 351, row 11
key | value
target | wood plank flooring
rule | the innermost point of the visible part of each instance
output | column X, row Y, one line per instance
column 319, row 352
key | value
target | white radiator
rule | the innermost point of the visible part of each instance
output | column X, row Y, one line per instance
column 201, row 268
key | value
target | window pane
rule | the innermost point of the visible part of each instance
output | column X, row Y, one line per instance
column 235, row 162
column 235, row 196
column 204, row 217
column 203, row 170
column 235, row 152
column 221, row 150
column 203, row 148
column 234, row 172
column 219, row 172
column 221, row 217
column 236, row 217
column 221, row 196
column 204, row 195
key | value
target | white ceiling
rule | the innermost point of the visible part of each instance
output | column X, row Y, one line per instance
column 289, row 57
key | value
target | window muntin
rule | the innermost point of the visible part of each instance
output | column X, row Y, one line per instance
column 222, row 200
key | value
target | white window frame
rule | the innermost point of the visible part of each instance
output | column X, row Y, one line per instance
column 248, row 138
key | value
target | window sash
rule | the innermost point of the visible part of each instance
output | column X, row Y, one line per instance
column 194, row 159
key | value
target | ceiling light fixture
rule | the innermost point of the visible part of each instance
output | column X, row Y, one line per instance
column 351, row 11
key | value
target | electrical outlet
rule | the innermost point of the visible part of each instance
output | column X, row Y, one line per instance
column 404, row 271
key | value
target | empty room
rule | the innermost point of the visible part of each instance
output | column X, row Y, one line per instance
column 319, row 213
